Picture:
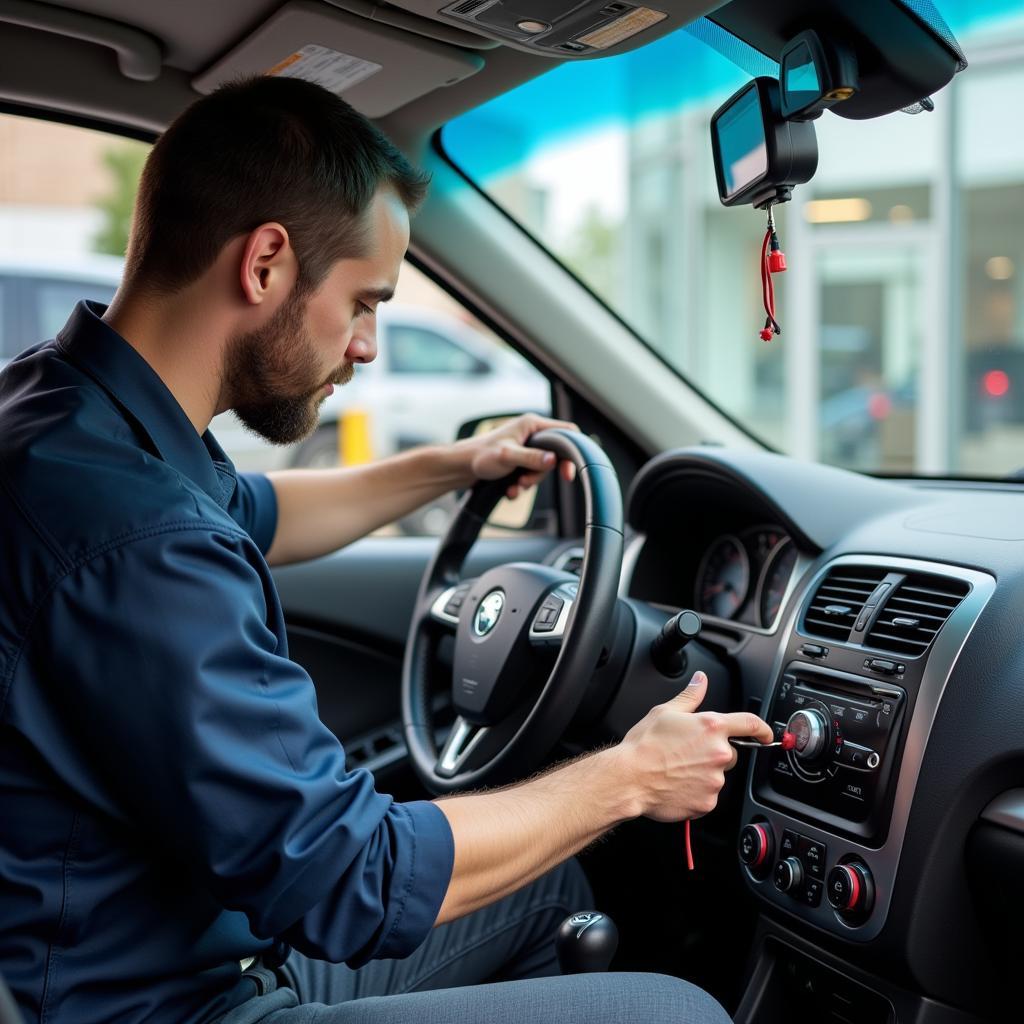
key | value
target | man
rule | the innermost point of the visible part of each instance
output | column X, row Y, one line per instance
column 181, row 840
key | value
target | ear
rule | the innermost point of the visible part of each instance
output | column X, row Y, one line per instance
column 268, row 267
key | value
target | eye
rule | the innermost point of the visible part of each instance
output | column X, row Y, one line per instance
column 362, row 309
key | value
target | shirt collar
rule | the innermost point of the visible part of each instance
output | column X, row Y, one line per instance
column 97, row 349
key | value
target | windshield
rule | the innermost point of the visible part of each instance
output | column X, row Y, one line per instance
column 902, row 311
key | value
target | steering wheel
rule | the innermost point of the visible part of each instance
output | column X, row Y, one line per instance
column 512, row 704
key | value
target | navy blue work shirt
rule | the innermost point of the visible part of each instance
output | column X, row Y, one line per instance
column 170, row 802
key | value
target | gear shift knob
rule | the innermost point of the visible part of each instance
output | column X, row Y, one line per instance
column 586, row 942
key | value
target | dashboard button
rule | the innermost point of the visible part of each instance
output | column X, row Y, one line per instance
column 856, row 756
column 882, row 665
column 812, row 893
column 790, row 845
column 814, row 856
column 813, row 651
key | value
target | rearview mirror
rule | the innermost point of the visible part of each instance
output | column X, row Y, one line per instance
column 760, row 156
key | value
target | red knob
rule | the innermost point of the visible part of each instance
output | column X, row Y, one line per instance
column 755, row 845
column 849, row 889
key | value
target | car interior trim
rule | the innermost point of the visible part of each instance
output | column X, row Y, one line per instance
column 1007, row 810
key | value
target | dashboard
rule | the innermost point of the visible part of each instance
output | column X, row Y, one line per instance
column 875, row 625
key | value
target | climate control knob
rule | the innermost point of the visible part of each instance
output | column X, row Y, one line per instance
column 810, row 732
column 755, row 848
column 789, row 873
column 850, row 889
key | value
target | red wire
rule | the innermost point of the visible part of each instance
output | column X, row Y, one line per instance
column 767, row 286
column 689, row 848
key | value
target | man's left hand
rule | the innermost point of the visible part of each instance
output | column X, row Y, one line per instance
column 498, row 452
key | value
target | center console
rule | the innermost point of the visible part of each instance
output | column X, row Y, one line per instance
column 860, row 673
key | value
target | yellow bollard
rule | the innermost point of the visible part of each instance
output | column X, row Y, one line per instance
column 354, row 447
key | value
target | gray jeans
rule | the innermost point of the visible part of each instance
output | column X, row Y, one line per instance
column 496, row 966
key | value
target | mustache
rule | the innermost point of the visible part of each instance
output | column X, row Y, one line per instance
column 342, row 375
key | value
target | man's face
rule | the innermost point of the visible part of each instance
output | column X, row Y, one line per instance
column 280, row 374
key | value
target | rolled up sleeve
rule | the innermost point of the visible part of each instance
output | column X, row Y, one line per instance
column 183, row 706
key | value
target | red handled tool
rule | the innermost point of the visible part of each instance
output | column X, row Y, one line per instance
column 788, row 742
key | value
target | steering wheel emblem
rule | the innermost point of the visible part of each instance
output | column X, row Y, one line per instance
column 488, row 613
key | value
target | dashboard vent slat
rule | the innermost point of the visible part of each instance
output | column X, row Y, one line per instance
column 837, row 602
column 912, row 617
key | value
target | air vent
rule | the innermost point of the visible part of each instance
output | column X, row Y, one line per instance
column 835, row 606
column 915, row 613
column 467, row 7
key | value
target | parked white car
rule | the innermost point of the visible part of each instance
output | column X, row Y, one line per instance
column 37, row 296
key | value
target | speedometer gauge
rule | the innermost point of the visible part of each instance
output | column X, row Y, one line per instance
column 724, row 578
column 777, row 571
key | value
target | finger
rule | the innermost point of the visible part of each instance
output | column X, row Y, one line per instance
column 690, row 698
column 512, row 493
column 568, row 471
column 546, row 423
column 743, row 723
column 529, row 479
column 529, row 458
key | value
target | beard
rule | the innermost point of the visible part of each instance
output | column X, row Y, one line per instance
column 275, row 379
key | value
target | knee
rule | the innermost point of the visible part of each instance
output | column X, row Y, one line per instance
column 671, row 999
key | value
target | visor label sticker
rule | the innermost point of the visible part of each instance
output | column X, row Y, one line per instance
column 323, row 66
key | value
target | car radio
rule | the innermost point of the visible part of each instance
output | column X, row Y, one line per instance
column 845, row 732
column 825, row 819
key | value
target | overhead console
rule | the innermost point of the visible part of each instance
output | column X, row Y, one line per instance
column 864, row 660
column 569, row 28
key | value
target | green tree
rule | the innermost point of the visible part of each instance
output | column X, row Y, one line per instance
column 124, row 162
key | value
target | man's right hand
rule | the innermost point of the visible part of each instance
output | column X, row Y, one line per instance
column 670, row 766
column 674, row 760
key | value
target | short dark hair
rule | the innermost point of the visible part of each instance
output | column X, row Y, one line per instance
column 258, row 150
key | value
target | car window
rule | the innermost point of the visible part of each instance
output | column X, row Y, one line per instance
column 418, row 350
column 51, row 302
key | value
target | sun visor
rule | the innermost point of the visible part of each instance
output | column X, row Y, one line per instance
column 376, row 68
column 903, row 48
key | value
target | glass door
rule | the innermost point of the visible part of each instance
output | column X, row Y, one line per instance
column 876, row 396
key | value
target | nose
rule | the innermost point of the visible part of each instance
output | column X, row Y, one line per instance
column 363, row 346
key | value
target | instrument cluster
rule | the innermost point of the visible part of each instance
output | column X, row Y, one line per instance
column 743, row 576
